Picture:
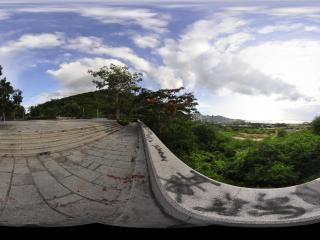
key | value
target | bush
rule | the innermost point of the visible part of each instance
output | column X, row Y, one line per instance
column 177, row 134
column 253, row 166
column 206, row 136
column 210, row 164
column 123, row 121
column 282, row 132
column 316, row 125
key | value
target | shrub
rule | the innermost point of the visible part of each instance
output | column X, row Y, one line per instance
column 177, row 134
column 316, row 125
column 206, row 136
column 123, row 122
column 282, row 132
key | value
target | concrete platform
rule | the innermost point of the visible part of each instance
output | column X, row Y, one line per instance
column 101, row 181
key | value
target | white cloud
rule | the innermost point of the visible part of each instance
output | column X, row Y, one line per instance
column 165, row 77
column 232, row 42
column 145, row 18
column 15, row 55
column 4, row 15
column 32, row 41
column 237, row 76
column 294, row 61
column 146, row 41
column 74, row 75
column 194, row 54
column 162, row 75
column 73, row 79
column 207, row 56
column 93, row 45
column 311, row 28
column 244, row 9
column 288, row 28
column 295, row 11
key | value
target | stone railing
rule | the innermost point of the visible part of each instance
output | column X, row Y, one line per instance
column 194, row 198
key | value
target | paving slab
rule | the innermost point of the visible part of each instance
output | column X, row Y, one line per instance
column 55, row 169
column 90, row 190
column 48, row 186
column 80, row 171
column 35, row 165
column 22, row 179
column 21, row 168
column 6, row 164
column 5, row 181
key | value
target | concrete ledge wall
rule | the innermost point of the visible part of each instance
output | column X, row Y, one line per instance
column 196, row 199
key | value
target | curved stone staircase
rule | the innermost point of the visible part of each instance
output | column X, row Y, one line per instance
column 37, row 139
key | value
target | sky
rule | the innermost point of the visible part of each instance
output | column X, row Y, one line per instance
column 251, row 60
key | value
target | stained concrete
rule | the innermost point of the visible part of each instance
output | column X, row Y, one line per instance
column 103, row 180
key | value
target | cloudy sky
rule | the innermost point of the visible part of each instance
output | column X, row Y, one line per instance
column 249, row 60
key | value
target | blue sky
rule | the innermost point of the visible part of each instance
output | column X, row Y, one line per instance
column 250, row 60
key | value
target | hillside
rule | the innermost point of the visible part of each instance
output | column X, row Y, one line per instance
column 85, row 105
column 98, row 104
column 219, row 119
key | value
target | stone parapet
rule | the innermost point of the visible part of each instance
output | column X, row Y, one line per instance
column 187, row 195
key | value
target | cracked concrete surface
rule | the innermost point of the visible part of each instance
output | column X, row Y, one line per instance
column 101, row 181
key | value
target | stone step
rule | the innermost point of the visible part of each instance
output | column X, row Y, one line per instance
column 22, row 144
column 50, row 138
column 57, row 147
column 26, row 145
column 38, row 133
column 39, row 129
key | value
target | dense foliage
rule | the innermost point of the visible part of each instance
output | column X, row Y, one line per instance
column 316, row 125
column 10, row 100
column 274, row 162
column 86, row 105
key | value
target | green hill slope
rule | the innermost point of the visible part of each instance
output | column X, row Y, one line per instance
column 85, row 105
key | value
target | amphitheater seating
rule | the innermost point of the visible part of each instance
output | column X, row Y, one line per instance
column 33, row 139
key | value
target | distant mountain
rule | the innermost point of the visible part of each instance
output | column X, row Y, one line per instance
column 219, row 119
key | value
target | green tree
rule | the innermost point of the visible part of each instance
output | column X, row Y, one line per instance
column 34, row 111
column 316, row 125
column 71, row 109
column 10, row 99
column 118, row 80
